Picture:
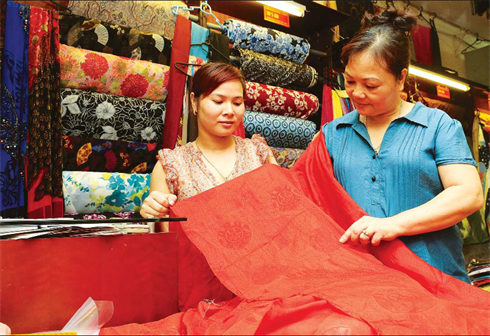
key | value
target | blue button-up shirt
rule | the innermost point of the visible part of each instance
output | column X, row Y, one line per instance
column 403, row 175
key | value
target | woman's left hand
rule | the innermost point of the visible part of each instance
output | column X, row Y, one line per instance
column 371, row 230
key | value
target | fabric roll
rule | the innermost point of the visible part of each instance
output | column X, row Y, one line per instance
column 220, row 50
column 90, row 70
column 280, row 131
column 96, row 115
column 267, row 41
column 286, row 157
column 275, row 100
column 92, row 34
column 151, row 16
column 90, row 192
column 272, row 70
column 112, row 156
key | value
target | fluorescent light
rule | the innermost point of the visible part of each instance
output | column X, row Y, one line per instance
column 413, row 70
column 290, row 7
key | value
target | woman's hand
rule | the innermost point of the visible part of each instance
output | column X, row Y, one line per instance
column 371, row 230
column 157, row 205
column 4, row 329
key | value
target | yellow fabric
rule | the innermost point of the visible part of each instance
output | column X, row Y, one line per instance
column 337, row 106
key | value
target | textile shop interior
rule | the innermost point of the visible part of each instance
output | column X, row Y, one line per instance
column 93, row 90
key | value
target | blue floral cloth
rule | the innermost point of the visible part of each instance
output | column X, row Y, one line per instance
column 267, row 41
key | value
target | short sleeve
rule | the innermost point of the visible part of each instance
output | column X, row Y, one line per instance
column 166, row 157
column 451, row 146
column 262, row 148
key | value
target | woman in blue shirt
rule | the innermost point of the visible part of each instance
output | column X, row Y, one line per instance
column 408, row 166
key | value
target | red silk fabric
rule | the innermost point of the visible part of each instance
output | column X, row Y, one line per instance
column 271, row 237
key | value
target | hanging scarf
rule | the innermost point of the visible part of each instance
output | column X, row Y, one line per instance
column 327, row 105
column 286, row 157
column 96, row 115
column 100, row 72
column 273, row 71
column 267, row 41
column 92, row 34
column 422, row 43
column 274, row 100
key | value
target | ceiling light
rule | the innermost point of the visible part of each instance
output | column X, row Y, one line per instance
column 416, row 71
column 290, row 7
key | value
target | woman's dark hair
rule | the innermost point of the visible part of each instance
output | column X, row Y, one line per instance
column 212, row 75
column 385, row 35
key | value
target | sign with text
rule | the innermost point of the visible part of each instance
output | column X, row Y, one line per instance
column 443, row 91
column 276, row 16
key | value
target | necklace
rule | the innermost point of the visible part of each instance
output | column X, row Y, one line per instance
column 376, row 150
column 212, row 165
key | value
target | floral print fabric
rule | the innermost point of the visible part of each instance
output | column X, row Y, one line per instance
column 151, row 16
column 81, row 154
column 274, row 100
column 286, row 157
column 267, row 41
column 273, row 71
column 280, row 131
column 92, row 34
column 89, row 70
column 89, row 192
column 97, row 115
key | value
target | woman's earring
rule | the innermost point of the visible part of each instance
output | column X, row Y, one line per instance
column 195, row 112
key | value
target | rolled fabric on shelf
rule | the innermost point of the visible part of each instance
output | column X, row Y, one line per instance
column 275, row 100
column 104, row 73
column 280, row 131
column 272, row 70
column 286, row 157
column 267, row 41
column 97, row 115
column 94, row 192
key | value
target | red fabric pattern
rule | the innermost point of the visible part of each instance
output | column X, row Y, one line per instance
column 422, row 44
column 327, row 105
column 271, row 237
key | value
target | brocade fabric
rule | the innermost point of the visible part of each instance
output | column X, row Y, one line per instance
column 286, row 157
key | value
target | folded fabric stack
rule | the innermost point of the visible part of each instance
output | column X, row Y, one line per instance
column 479, row 272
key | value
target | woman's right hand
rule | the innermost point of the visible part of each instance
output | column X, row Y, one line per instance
column 157, row 205
column 4, row 329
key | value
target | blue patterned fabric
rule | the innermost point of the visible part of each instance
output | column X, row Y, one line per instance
column 267, row 41
column 280, row 131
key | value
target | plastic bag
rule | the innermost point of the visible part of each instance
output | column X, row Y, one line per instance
column 90, row 318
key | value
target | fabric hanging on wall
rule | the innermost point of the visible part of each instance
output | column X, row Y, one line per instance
column 14, row 111
column 150, row 16
column 273, row 71
column 327, row 105
column 280, row 131
column 275, row 100
column 91, row 34
column 436, row 49
column 220, row 51
column 422, row 43
column 337, row 105
column 3, row 11
column 287, row 157
column 96, row 115
column 112, row 156
column 91, row 192
column 267, row 41
column 44, row 154
column 199, row 35
column 90, row 70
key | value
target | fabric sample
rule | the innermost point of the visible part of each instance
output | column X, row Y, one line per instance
column 90, row 192
column 96, row 115
column 267, row 41
column 150, row 16
column 275, row 100
column 220, row 50
column 327, row 105
column 280, row 131
column 112, row 156
column 422, row 43
column 92, row 34
column 3, row 11
column 286, row 157
column 199, row 35
column 272, row 70
column 104, row 73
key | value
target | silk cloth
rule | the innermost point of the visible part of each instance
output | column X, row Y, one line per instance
column 280, row 131
column 286, row 157
column 267, row 41
column 422, row 43
column 150, row 16
column 292, row 276
column 275, row 100
column 272, row 70
column 111, row 156
column 96, row 115
column 105, row 73
column 92, row 34
column 94, row 192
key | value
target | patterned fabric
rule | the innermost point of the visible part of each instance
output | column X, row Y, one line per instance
column 3, row 10
column 188, row 175
column 97, row 115
column 280, row 131
column 150, row 16
column 14, row 111
column 91, row 34
column 272, row 70
column 89, row 70
column 81, row 154
column 274, row 100
column 267, row 41
column 286, row 157
column 89, row 192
